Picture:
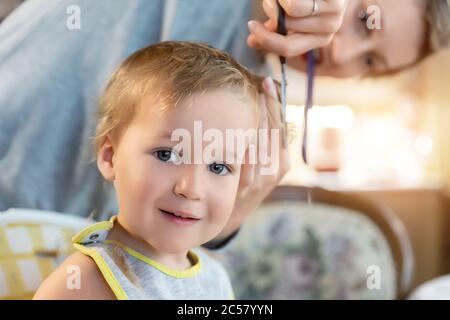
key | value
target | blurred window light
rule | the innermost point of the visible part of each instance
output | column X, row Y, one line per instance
column 332, row 116
column 423, row 145
column 339, row 117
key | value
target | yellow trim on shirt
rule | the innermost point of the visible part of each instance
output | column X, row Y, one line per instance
column 99, row 226
column 188, row 273
column 105, row 270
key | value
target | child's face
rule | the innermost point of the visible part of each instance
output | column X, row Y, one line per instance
column 147, row 180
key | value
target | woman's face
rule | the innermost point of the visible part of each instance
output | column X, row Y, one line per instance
column 358, row 50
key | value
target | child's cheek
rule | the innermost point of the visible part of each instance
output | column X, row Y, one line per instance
column 225, row 197
column 153, row 181
column 158, row 183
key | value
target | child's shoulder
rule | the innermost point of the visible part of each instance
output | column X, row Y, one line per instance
column 77, row 278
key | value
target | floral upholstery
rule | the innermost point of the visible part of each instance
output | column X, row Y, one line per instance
column 292, row 250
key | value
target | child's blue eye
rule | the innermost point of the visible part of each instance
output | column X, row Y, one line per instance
column 167, row 156
column 219, row 169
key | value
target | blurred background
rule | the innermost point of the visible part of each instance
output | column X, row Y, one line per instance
column 386, row 139
column 370, row 134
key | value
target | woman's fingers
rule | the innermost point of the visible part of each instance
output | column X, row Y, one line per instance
column 273, row 107
column 284, row 161
column 314, row 25
column 291, row 45
column 250, row 196
column 275, row 123
column 271, row 154
column 252, row 42
column 304, row 30
column 247, row 177
column 263, row 135
column 323, row 25
column 303, row 8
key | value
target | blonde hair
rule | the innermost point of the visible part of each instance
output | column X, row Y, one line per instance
column 437, row 27
column 436, row 15
column 171, row 71
column 438, row 24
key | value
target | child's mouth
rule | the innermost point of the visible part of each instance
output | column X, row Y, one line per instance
column 178, row 219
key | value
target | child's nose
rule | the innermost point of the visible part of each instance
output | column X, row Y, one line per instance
column 346, row 49
column 191, row 184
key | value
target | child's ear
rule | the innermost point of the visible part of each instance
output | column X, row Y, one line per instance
column 105, row 159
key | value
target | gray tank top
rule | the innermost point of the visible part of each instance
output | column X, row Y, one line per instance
column 131, row 275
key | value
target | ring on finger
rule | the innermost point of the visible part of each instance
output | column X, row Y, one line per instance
column 314, row 9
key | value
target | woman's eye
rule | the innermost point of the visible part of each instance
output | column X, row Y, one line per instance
column 167, row 156
column 219, row 169
column 363, row 16
column 369, row 61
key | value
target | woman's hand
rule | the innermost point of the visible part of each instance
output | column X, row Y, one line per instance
column 258, row 180
column 305, row 30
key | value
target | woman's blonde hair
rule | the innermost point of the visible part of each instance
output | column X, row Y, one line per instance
column 171, row 71
column 437, row 17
